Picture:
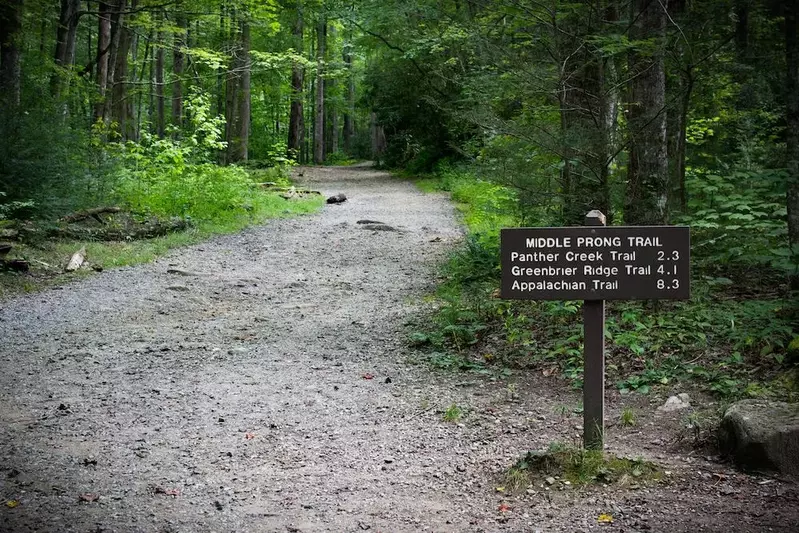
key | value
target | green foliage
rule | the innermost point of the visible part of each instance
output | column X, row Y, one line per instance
column 158, row 180
column 578, row 466
column 7, row 209
column 627, row 417
column 50, row 166
column 453, row 413
column 740, row 218
column 176, row 176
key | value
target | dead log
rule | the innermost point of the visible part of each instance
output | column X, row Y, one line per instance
column 146, row 230
column 83, row 215
column 271, row 187
column 5, row 247
column 76, row 260
column 340, row 198
column 15, row 265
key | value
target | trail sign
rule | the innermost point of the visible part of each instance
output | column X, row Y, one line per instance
column 595, row 263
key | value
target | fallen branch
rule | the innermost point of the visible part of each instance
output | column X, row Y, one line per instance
column 147, row 230
column 76, row 260
column 83, row 215
column 271, row 187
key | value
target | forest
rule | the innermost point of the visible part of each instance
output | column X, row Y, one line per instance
column 528, row 112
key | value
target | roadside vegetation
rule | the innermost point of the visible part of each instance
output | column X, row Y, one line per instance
column 733, row 339
column 169, row 192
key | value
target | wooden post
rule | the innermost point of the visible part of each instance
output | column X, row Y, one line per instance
column 594, row 361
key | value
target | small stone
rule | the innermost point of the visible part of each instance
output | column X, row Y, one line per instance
column 675, row 403
column 550, row 480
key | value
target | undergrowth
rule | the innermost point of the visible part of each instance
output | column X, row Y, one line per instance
column 735, row 338
column 164, row 178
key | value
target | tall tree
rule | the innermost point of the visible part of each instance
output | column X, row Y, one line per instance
column 178, row 66
column 66, row 39
column 319, row 119
column 10, row 73
column 238, row 97
column 120, row 108
column 792, row 124
column 331, row 113
column 103, row 53
column 646, row 200
column 296, row 127
column 349, row 114
column 160, row 100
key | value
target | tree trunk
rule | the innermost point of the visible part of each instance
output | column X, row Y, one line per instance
column 117, row 19
column 243, row 96
column 103, row 53
column 319, row 121
column 608, row 122
column 119, row 93
column 331, row 115
column 178, row 66
column 10, row 72
column 296, row 126
column 378, row 139
column 130, row 112
column 792, row 128
column 349, row 116
column 741, row 10
column 238, row 95
column 231, row 88
column 160, row 101
column 646, row 201
column 220, row 73
column 66, row 38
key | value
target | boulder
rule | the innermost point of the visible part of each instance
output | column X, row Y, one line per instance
column 762, row 435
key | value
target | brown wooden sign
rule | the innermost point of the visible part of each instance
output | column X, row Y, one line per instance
column 596, row 263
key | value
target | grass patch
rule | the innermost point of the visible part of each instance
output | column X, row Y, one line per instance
column 566, row 465
column 627, row 417
column 47, row 258
column 453, row 413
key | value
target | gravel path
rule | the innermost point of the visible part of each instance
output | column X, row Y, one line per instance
column 260, row 382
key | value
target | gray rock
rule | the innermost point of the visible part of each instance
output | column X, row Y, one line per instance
column 675, row 403
column 762, row 435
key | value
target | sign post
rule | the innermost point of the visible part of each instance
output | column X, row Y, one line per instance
column 594, row 361
column 595, row 263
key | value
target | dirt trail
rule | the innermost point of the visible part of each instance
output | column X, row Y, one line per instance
column 224, row 388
